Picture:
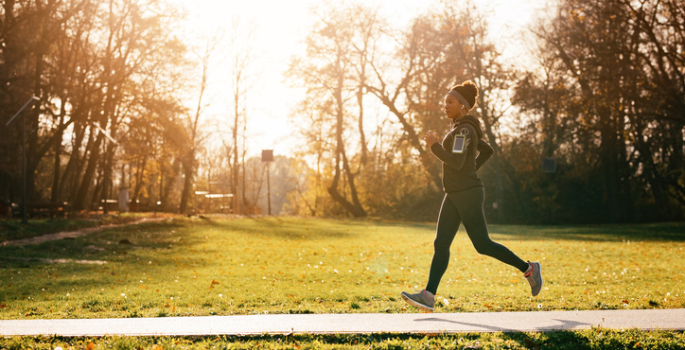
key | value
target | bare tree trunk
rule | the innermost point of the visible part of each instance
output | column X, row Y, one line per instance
column 69, row 170
column 54, row 195
column 170, row 181
column 140, row 171
column 624, row 172
column 86, row 181
column 360, row 103
column 245, row 202
column 650, row 169
column 189, row 158
column 608, row 166
column 78, row 166
column 238, row 204
column 32, row 156
column 242, row 58
column 189, row 172
column 354, row 208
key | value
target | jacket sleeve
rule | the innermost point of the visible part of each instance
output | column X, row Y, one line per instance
column 454, row 160
column 485, row 153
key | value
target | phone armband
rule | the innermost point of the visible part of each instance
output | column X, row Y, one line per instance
column 459, row 144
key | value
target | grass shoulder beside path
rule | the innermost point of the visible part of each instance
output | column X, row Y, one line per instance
column 595, row 339
column 193, row 267
column 14, row 230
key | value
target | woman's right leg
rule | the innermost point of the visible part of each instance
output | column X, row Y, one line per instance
column 470, row 204
column 448, row 224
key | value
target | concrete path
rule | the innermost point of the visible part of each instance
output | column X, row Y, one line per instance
column 541, row 321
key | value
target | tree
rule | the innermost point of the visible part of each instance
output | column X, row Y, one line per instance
column 326, row 73
column 29, row 37
column 242, row 79
column 612, row 68
column 192, row 125
column 624, row 34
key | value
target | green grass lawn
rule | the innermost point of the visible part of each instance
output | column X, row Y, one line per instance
column 293, row 265
column 589, row 339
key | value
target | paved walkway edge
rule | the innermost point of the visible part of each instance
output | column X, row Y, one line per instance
column 542, row 321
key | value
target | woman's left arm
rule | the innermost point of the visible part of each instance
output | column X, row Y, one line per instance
column 485, row 152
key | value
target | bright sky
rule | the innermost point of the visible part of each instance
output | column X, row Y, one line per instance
column 282, row 26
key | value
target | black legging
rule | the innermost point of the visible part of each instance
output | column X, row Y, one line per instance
column 466, row 206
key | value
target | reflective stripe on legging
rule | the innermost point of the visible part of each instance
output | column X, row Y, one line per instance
column 467, row 207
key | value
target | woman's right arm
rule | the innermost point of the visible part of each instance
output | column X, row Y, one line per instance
column 452, row 159
column 455, row 161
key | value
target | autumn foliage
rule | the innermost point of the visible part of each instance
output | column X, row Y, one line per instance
column 603, row 98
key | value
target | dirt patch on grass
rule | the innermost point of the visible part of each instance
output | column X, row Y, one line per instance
column 77, row 233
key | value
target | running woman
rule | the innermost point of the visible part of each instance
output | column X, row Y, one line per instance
column 463, row 200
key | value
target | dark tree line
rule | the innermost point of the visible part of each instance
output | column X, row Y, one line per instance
column 122, row 104
column 98, row 67
column 609, row 102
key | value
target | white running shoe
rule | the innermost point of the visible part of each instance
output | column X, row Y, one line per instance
column 420, row 300
column 534, row 277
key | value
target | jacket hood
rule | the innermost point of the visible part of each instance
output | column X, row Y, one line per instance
column 471, row 120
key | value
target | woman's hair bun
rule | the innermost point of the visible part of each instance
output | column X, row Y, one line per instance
column 471, row 87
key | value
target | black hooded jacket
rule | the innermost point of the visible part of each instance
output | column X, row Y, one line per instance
column 459, row 170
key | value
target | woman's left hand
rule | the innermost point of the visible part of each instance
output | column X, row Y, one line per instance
column 431, row 138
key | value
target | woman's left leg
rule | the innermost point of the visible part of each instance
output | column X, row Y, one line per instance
column 470, row 206
column 448, row 224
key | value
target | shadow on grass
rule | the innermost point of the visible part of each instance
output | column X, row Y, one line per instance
column 660, row 232
column 285, row 228
column 565, row 324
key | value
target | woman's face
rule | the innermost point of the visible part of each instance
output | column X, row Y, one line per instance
column 453, row 108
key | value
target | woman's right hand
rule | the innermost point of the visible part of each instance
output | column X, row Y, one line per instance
column 431, row 138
